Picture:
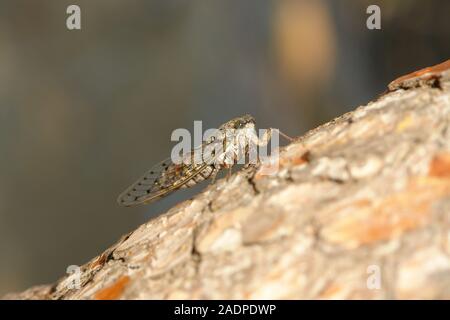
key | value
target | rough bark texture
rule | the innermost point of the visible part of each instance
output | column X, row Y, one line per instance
column 368, row 190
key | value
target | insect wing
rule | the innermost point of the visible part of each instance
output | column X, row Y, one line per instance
column 167, row 176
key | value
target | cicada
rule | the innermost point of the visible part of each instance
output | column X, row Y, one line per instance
column 222, row 150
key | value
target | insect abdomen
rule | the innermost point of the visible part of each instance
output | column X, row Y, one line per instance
column 199, row 177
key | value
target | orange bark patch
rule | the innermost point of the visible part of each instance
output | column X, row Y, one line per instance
column 296, row 159
column 440, row 166
column 364, row 222
column 114, row 291
column 330, row 292
column 294, row 155
column 424, row 73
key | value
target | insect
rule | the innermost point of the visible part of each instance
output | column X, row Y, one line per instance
column 221, row 150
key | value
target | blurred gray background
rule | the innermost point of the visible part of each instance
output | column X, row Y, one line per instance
column 84, row 113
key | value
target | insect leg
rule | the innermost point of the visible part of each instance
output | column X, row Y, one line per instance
column 264, row 140
column 214, row 175
column 230, row 171
column 267, row 135
column 284, row 135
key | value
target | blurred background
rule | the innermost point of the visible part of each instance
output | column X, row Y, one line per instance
column 84, row 113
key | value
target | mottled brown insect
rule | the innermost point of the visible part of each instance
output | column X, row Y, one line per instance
column 167, row 176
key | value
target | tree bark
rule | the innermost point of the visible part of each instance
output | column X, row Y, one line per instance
column 360, row 209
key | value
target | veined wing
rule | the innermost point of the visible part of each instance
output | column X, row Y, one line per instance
column 166, row 176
